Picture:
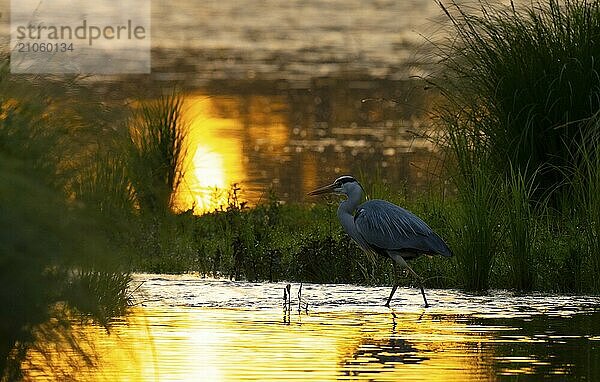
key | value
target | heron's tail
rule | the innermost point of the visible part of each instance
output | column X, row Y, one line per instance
column 443, row 248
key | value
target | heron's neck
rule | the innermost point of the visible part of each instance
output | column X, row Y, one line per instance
column 346, row 210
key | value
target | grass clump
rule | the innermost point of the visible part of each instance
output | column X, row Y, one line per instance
column 521, row 88
column 57, row 259
column 475, row 233
column 584, row 205
column 522, row 219
column 157, row 150
column 530, row 74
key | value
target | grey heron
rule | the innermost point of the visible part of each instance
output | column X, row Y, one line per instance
column 382, row 228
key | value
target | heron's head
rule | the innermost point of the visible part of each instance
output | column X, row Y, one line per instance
column 344, row 185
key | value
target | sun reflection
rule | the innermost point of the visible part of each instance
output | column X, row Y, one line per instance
column 209, row 166
column 224, row 133
column 214, row 160
column 191, row 344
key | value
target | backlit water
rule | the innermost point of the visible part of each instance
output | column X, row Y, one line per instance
column 294, row 140
column 289, row 95
column 186, row 328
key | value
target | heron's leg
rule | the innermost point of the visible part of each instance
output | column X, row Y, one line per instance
column 400, row 260
column 420, row 281
column 387, row 304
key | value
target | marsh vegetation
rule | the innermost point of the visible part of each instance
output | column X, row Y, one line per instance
column 517, row 196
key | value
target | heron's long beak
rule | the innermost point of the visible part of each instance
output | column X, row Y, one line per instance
column 323, row 190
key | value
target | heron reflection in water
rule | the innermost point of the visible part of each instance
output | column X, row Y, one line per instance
column 380, row 227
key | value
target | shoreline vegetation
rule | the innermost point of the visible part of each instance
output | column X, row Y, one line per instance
column 87, row 188
column 518, row 198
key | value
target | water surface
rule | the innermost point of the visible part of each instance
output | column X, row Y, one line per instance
column 186, row 328
column 289, row 95
column 296, row 40
column 273, row 137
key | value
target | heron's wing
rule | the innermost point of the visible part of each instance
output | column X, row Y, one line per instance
column 388, row 227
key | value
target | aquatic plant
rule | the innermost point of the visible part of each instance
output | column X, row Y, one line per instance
column 521, row 222
column 49, row 251
column 519, row 84
column 584, row 204
column 475, row 234
column 529, row 73
column 104, row 183
column 51, row 242
column 158, row 136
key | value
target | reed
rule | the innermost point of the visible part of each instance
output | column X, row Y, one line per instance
column 48, row 249
column 522, row 217
column 51, row 241
column 158, row 135
column 104, row 184
column 475, row 223
column 519, row 84
column 584, row 186
column 532, row 71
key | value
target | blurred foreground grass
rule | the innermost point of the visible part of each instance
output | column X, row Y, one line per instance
column 56, row 261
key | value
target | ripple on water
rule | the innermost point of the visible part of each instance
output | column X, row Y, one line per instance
column 195, row 291
column 186, row 328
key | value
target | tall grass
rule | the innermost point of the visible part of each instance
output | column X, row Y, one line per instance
column 519, row 83
column 533, row 72
column 52, row 241
column 584, row 183
column 522, row 216
column 157, row 151
column 104, row 184
column 476, row 236
column 48, row 249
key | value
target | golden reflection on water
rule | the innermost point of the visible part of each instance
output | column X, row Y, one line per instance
column 214, row 158
column 293, row 140
column 221, row 129
column 200, row 344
